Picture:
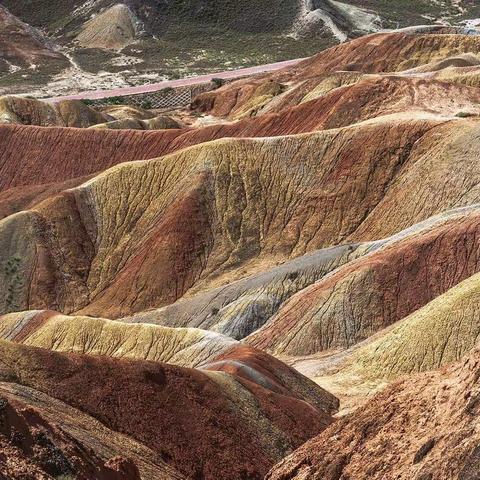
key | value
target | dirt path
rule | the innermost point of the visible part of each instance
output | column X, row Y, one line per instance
column 154, row 87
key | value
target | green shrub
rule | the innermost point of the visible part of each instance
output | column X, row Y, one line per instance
column 147, row 104
column 114, row 100
column 14, row 282
column 465, row 114
column 218, row 82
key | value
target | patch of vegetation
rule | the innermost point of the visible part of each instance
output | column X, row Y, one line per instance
column 402, row 13
column 472, row 11
column 93, row 60
column 218, row 82
column 465, row 114
column 115, row 101
column 236, row 15
column 214, row 49
column 14, row 281
column 51, row 458
column 292, row 276
column 147, row 104
column 192, row 37
column 24, row 78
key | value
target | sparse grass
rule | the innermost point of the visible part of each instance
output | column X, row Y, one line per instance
column 14, row 281
column 221, row 35
column 400, row 13
column 115, row 100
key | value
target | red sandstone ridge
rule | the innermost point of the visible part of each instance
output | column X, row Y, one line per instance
column 377, row 290
column 212, row 425
column 180, row 223
column 28, row 150
column 176, row 219
column 379, row 53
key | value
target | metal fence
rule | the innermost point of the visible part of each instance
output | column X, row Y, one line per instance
column 165, row 98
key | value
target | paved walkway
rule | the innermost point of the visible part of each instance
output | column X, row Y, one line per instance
column 155, row 87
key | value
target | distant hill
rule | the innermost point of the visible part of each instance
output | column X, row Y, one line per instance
column 23, row 47
column 111, row 43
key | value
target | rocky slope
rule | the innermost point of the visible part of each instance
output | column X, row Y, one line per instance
column 432, row 49
column 422, row 427
column 132, row 40
column 32, row 447
column 298, row 262
column 24, row 47
column 375, row 291
column 218, row 243
column 248, row 426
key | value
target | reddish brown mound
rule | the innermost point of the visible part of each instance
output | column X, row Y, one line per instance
column 71, row 430
column 425, row 427
column 32, row 448
column 351, row 184
column 30, row 155
column 184, row 230
column 362, row 101
column 207, row 425
column 24, row 197
column 345, row 106
column 387, row 52
column 258, row 367
column 378, row 53
column 191, row 348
